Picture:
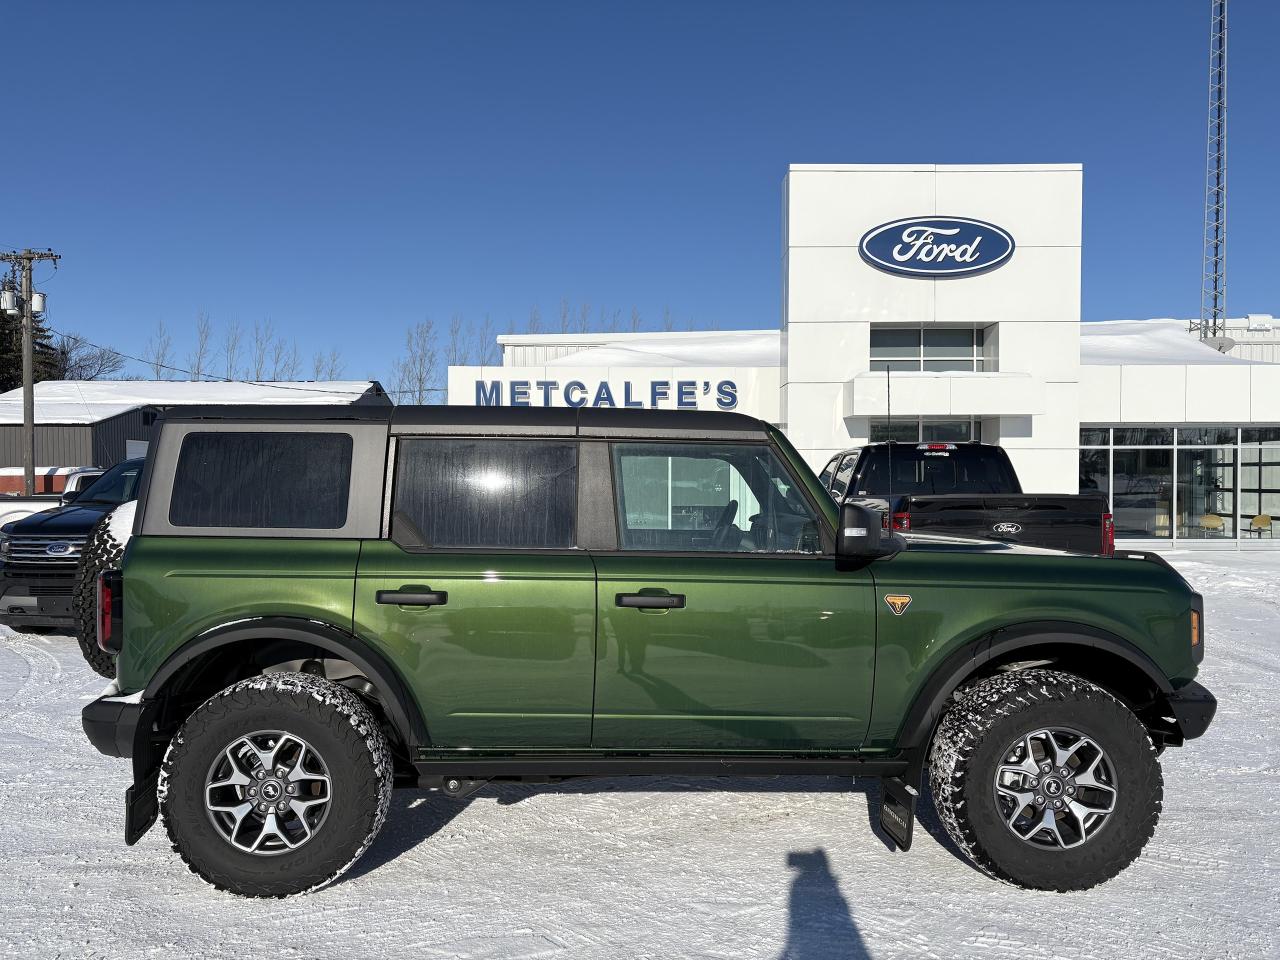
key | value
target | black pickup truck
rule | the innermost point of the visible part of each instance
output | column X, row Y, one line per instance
column 966, row 490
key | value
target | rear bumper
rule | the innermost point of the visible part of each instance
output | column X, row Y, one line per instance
column 111, row 723
column 1193, row 708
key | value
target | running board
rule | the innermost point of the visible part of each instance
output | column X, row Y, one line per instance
column 473, row 767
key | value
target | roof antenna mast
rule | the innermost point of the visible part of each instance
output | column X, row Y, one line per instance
column 1213, row 284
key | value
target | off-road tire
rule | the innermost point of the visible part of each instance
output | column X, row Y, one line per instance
column 102, row 551
column 340, row 727
column 968, row 746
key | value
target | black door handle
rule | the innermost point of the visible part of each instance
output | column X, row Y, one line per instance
column 651, row 601
column 413, row 598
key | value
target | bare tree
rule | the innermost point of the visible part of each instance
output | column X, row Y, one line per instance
column 80, row 360
column 414, row 372
column 327, row 366
column 635, row 320
column 535, row 320
column 231, row 350
column 284, row 360
column 485, row 343
column 457, row 353
column 159, row 353
column 260, row 348
column 668, row 323
column 566, row 318
column 198, row 358
column 584, row 318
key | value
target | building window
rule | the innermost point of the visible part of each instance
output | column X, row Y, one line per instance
column 937, row 349
column 914, row 430
column 1185, row 483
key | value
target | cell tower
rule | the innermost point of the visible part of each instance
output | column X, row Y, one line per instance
column 1213, row 284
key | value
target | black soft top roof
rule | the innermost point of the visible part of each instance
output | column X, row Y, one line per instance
column 441, row 420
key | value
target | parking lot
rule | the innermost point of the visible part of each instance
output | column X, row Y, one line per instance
column 665, row 867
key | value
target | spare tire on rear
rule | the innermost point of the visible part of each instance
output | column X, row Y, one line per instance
column 102, row 551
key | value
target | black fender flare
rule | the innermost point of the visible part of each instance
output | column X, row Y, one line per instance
column 925, row 710
column 399, row 703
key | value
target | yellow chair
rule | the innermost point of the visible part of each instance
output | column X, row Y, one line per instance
column 1260, row 523
column 1211, row 525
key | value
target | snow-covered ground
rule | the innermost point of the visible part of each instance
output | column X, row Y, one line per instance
column 657, row 868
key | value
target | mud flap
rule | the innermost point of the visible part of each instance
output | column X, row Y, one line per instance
column 898, row 810
column 140, row 808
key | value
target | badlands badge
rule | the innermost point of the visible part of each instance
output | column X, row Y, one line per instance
column 898, row 603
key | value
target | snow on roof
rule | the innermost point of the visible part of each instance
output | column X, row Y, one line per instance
column 729, row 348
column 1114, row 342
column 90, row 401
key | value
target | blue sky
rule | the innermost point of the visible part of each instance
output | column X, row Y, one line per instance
column 347, row 170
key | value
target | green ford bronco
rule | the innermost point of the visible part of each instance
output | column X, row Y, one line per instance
column 317, row 605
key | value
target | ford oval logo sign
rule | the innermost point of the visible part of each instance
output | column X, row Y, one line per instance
column 59, row 549
column 936, row 247
column 1007, row 529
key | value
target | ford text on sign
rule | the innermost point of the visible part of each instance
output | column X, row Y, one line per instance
column 936, row 247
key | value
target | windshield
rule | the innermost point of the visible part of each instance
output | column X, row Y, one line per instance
column 927, row 471
column 118, row 485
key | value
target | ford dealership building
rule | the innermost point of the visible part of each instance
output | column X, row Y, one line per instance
column 929, row 302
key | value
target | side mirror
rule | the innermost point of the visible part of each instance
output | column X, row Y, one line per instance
column 862, row 534
column 70, row 495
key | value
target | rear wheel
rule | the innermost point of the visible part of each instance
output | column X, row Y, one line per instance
column 276, row 785
column 1045, row 780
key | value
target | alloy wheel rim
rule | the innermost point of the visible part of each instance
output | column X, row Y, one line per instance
column 268, row 792
column 1055, row 788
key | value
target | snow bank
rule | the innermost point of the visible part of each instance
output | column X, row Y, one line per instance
column 729, row 348
column 1114, row 342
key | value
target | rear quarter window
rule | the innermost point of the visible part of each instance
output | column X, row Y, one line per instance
column 268, row 480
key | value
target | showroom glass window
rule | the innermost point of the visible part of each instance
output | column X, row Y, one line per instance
column 937, row 349
column 1095, row 461
column 713, row 497
column 268, row 480
column 1206, row 482
column 513, row 494
column 1142, row 482
column 1259, row 482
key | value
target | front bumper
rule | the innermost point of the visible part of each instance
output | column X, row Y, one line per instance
column 1193, row 708
column 36, row 601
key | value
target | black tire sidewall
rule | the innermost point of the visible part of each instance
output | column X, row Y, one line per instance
column 1132, row 761
column 339, row 839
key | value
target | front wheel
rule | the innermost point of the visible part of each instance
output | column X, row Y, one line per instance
column 276, row 785
column 1045, row 780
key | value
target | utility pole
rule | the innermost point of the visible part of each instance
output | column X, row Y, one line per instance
column 30, row 303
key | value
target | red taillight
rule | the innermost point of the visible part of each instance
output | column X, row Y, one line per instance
column 902, row 521
column 104, row 614
column 1108, row 535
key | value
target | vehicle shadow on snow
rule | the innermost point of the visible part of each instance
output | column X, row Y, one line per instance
column 417, row 815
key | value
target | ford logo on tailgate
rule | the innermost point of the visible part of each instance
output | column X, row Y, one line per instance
column 936, row 247
column 1007, row 529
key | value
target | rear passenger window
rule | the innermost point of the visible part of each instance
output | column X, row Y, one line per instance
column 518, row 494
column 262, row 480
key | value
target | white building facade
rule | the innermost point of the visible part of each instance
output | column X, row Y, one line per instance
column 930, row 302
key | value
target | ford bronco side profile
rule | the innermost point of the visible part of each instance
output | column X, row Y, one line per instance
column 317, row 605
